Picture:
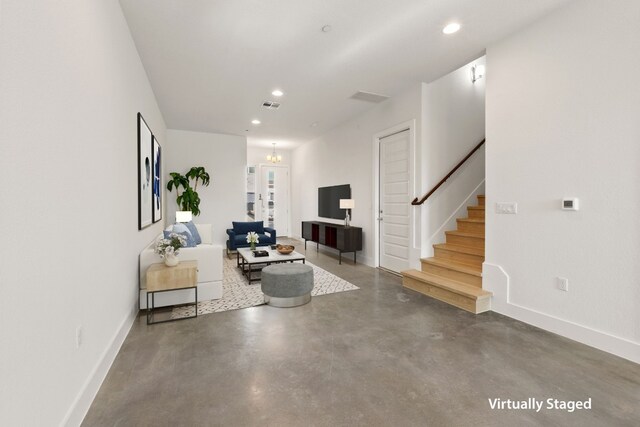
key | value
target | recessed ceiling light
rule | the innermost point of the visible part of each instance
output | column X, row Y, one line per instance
column 451, row 28
column 255, row 121
column 326, row 28
column 277, row 92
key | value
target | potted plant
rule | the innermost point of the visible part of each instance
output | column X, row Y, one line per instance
column 252, row 239
column 169, row 249
column 188, row 199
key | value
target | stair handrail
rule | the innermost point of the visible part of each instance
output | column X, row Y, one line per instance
column 433, row 190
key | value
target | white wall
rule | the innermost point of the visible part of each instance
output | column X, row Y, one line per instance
column 453, row 124
column 345, row 156
column 71, row 84
column 225, row 158
column 562, row 121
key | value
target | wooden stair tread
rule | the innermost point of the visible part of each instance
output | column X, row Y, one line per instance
column 474, row 220
column 453, row 265
column 454, row 274
column 458, row 248
column 464, row 234
column 459, row 288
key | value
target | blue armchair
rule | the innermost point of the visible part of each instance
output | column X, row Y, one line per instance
column 238, row 235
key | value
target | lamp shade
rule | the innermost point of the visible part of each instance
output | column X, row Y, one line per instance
column 184, row 216
column 347, row 203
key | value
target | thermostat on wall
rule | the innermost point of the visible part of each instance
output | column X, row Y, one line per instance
column 570, row 204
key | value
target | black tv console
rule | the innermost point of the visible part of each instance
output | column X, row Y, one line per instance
column 336, row 236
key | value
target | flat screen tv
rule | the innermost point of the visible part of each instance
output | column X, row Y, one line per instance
column 329, row 201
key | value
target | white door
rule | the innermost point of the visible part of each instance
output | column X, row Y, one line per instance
column 272, row 204
column 395, row 202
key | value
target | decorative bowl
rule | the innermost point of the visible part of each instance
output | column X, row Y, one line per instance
column 284, row 249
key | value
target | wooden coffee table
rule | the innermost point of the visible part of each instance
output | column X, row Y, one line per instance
column 250, row 264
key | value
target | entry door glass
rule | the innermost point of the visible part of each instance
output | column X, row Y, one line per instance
column 251, row 193
column 273, row 199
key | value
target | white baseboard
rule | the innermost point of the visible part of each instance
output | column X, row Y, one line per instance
column 496, row 280
column 82, row 403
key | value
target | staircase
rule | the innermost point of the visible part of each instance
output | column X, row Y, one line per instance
column 454, row 274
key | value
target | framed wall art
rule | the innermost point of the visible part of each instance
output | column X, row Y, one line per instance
column 145, row 174
column 157, row 181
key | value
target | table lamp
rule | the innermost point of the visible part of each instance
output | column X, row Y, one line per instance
column 347, row 204
column 184, row 216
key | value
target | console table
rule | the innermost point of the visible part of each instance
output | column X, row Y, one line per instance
column 336, row 236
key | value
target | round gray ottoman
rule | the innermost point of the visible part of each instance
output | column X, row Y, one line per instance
column 287, row 285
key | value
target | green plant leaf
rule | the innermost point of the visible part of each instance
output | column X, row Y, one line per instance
column 189, row 200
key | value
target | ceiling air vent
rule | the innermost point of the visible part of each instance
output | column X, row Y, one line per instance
column 271, row 105
column 369, row 96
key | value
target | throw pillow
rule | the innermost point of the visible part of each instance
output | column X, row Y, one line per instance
column 180, row 228
column 194, row 232
column 204, row 230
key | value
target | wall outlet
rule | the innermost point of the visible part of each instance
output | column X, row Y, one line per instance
column 79, row 336
column 563, row 283
column 510, row 208
column 570, row 204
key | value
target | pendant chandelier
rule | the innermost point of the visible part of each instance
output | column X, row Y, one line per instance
column 273, row 157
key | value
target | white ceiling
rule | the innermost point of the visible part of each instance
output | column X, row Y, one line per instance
column 212, row 63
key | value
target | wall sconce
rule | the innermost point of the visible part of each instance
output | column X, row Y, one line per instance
column 477, row 72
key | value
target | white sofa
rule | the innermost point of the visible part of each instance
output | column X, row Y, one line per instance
column 209, row 257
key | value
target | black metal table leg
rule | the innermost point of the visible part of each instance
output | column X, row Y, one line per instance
column 148, row 309
column 151, row 308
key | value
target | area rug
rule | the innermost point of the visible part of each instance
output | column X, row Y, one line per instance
column 238, row 293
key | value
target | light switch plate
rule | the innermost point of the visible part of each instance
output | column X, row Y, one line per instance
column 510, row 208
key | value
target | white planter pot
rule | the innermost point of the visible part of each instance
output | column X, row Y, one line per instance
column 171, row 260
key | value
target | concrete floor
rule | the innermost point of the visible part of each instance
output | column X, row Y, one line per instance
column 377, row 356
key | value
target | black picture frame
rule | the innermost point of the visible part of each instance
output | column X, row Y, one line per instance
column 145, row 194
column 156, row 191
